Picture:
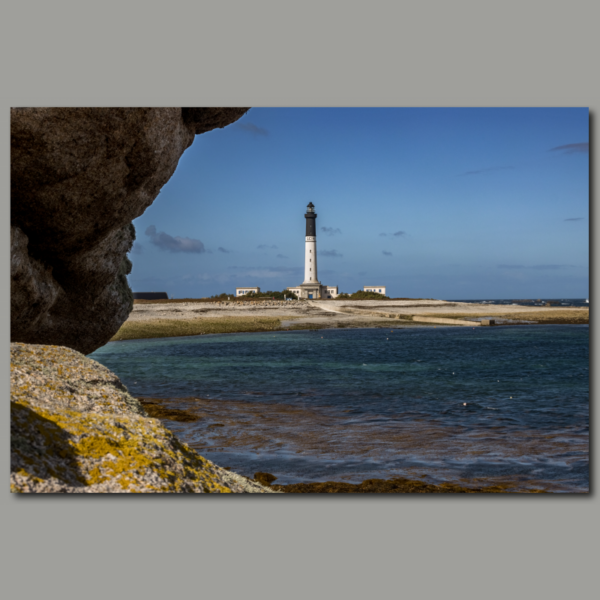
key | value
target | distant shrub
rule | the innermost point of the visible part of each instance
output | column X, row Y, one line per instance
column 272, row 295
column 362, row 295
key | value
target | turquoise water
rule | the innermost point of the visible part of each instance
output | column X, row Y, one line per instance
column 502, row 403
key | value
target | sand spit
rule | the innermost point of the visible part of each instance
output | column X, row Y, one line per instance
column 148, row 320
column 195, row 310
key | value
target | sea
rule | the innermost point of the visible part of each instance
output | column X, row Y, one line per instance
column 481, row 406
column 571, row 302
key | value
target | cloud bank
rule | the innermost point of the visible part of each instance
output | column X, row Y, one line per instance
column 478, row 171
column 169, row 243
column 331, row 231
column 397, row 234
column 265, row 247
column 579, row 148
column 386, row 253
column 332, row 253
column 538, row 267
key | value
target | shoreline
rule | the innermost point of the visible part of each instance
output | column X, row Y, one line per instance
column 267, row 317
column 186, row 319
column 287, row 330
column 394, row 326
column 183, row 319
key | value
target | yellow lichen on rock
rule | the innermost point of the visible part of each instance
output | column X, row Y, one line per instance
column 75, row 428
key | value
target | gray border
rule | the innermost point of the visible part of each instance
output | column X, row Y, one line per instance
column 514, row 53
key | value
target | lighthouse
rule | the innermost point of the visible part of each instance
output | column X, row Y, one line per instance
column 311, row 288
column 310, row 247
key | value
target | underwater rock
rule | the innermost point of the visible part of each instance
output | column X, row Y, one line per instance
column 76, row 429
column 79, row 176
column 265, row 478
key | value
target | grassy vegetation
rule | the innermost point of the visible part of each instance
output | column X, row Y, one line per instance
column 362, row 295
column 559, row 316
column 157, row 328
column 223, row 298
column 270, row 295
column 343, row 325
column 175, row 301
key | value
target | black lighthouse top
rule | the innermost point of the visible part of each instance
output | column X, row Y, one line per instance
column 311, row 220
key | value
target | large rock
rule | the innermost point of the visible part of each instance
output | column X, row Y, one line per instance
column 79, row 176
column 75, row 429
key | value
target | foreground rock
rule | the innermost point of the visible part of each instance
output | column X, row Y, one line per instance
column 76, row 429
column 79, row 176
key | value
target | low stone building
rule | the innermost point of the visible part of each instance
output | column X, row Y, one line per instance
column 150, row 296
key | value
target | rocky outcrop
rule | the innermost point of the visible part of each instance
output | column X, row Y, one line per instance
column 76, row 429
column 79, row 176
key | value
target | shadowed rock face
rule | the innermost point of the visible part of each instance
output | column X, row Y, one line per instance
column 79, row 176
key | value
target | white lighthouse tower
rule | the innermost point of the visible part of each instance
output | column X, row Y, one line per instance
column 310, row 247
column 312, row 288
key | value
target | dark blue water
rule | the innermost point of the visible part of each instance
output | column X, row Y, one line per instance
column 558, row 302
column 477, row 404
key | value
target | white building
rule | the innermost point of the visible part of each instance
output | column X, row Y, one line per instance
column 327, row 291
column 380, row 289
column 242, row 291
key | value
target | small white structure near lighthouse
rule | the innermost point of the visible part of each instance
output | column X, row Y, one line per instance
column 312, row 288
column 242, row 291
column 380, row 289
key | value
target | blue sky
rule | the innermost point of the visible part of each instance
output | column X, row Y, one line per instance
column 455, row 203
